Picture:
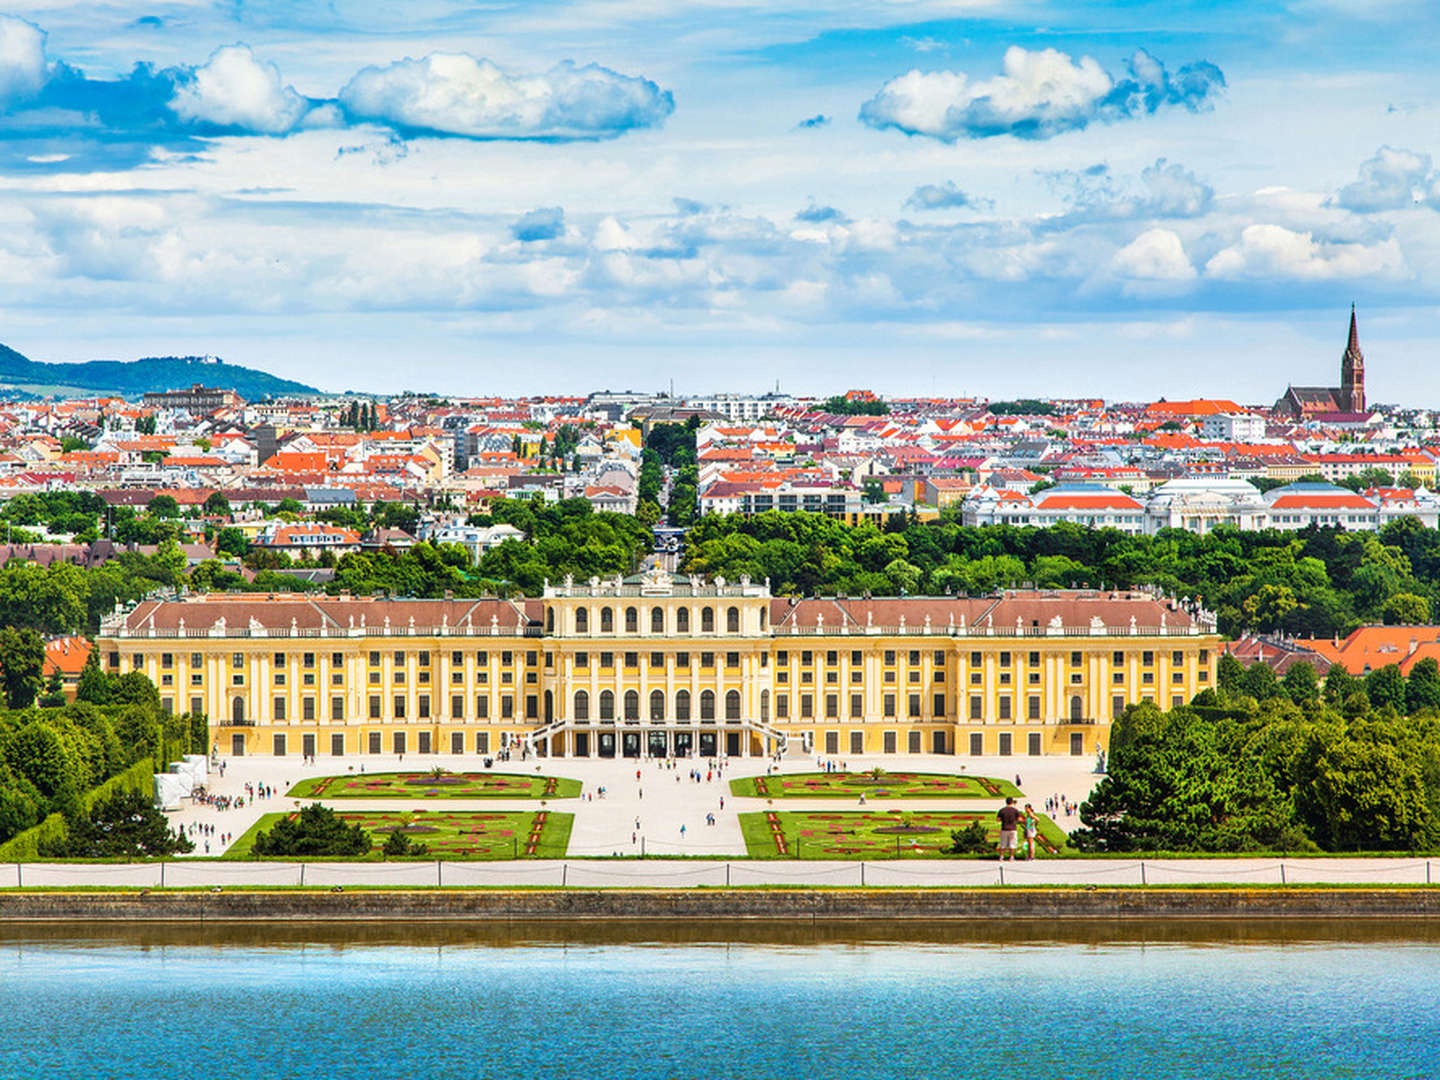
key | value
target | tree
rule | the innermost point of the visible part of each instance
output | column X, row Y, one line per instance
column 217, row 505
column 1422, row 688
column 315, row 830
column 1406, row 609
column 22, row 665
column 1385, row 687
column 1301, row 684
column 123, row 825
column 163, row 506
column 94, row 685
column 54, row 695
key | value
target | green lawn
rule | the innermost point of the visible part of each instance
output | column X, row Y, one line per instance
column 469, row 834
column 429, row 785
column 857, row 834
column 889, row 785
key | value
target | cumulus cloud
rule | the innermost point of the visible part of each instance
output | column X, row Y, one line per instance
column 22, row 60
column 53, row 115
column 1275, row 252
column 1154, row 255
column 817, row 215
column 1162, row 190
column 458, row 94
column 1038, row 95
column 1394, row 179
column 946, row 196
column 545, row 223
column 235, row 90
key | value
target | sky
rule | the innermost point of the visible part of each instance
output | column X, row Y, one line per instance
column 1125, row 199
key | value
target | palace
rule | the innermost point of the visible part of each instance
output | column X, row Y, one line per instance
column 659, row 665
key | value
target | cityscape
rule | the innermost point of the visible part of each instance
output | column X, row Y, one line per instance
column 690, row 539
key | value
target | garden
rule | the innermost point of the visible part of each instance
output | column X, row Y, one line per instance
column 435, row 784
column 475, row 834
column 879, row 834
column 875, row 784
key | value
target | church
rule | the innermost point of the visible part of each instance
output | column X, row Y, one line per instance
column 1343, row 402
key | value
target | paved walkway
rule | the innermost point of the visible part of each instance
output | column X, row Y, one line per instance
column 661, row 799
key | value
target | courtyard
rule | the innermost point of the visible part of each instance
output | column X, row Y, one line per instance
column 880, row 834
column 874, row 784
column 448, row 834
column 438, row 783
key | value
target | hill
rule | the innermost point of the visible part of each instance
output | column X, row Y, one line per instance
column 131, row 378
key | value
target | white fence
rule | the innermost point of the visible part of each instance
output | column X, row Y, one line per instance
column 716, row 873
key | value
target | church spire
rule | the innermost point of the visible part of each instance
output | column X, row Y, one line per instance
column 1352, row 371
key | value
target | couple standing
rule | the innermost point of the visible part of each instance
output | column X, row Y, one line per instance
column 1011, row 818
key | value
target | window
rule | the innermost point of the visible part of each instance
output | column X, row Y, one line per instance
column 857, row 742
column 657, row 620
column 974, row 659
column 1005, row 708
column 1147, row 658
column 732, row 705
column 632, row 621
column 167, row 660
column 196, row 660
column 1032, row 711
column 374, row 659
column 939, row 658
column 657, row 660
column 732, row 621
column 1004, row 659
column 782, row 707
column 482, row 707
column 582, row 620
column 807, row 706
column 682, row 705
column 482, row 742
column 707, row 704
column 397, row 742
column 889, row 705
column 374, row 706
column 682, row 660
column 857, row 705
column 732, row 659
column 1177, row 659
column 1032, row 744
column 399, row 706
column 1117, row 659
column 939, row 704
column 399, row 658
column 889, row 657
column 279, row 708
column 582, row 705
column 607, row 705
column 682, row 621
column 457, row 707
column 424, row 707
column 607, row 621
column 532, row 707
column 632, row 705
column 1005, row 741
column 279, row 660
column 279, row 745
column 507, row 707
column 1077, row 708
column 914, row 657
column 582, row 659
column 607, row 659
column 977, row 706
column 707, row 659
column 307, row 659
column 657, row 705
column 1075, row 659
column 707, row 620
column 832, row 706
column 1117, row 705
column 912, row 742
column 307, row 708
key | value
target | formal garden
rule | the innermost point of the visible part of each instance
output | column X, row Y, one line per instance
column 435, row 784
column 883, row 834
column 318, row 832
column 875, row 784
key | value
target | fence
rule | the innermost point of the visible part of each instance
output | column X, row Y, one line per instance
column 717, row 873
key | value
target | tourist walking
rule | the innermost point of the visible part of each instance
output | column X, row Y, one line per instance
column 1009, row 818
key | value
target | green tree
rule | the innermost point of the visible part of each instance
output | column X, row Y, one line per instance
column 22, row 665
column 123, row 825
column 1406, row 609
column 1301, row 684
column 217, row 505
column 315, row 830
column 163, row 506
column 1385, row 687
column 1422, row 688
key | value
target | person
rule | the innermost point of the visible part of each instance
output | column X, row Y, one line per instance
column 1032, row 827
column 1009, row 818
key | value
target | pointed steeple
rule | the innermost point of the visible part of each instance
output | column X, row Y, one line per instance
column 1352, row 371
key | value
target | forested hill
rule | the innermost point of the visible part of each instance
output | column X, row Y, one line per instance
column 135, row 377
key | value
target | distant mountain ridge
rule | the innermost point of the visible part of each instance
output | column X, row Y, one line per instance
column 131, row 378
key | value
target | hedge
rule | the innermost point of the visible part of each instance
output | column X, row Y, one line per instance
column 25, row 846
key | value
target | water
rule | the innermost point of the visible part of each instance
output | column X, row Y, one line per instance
column 1101, row 1001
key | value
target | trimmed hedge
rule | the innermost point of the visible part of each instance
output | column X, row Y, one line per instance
column 26, row 846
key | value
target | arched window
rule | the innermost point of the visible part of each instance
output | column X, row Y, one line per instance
column 1077, row 708
column 607, row 705
column 657, row 620
column 682, row 621
column 657, row 704
column 582, row 620
column 582, row 705
column 550, row 620
column 237, row 711
column 632, row 621
column 707, row 704
column 607, row 621
column 732, row 621
column 763, row 613
column 764, row 705
column 682, row 705
column 732, row 705
column 632, row 705
column 707, row 620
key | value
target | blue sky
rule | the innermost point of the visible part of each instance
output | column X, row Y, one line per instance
column 1124, row 199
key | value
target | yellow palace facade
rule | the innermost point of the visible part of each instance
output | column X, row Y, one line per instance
column 655, row 665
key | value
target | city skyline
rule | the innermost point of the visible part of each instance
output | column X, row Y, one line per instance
column 1133, row 202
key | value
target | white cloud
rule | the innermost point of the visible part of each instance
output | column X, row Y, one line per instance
column 1272, row 251
column 1394, row 179
column 1037, row 95
column 233, row 89
column 457, row 94
column 22, row 59
column 1154, row 255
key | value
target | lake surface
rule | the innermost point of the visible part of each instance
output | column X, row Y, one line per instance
column 850, row 1001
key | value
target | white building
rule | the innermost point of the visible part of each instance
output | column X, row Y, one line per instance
column 1234, row 427
column 1199, row 505
column 742, row 406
